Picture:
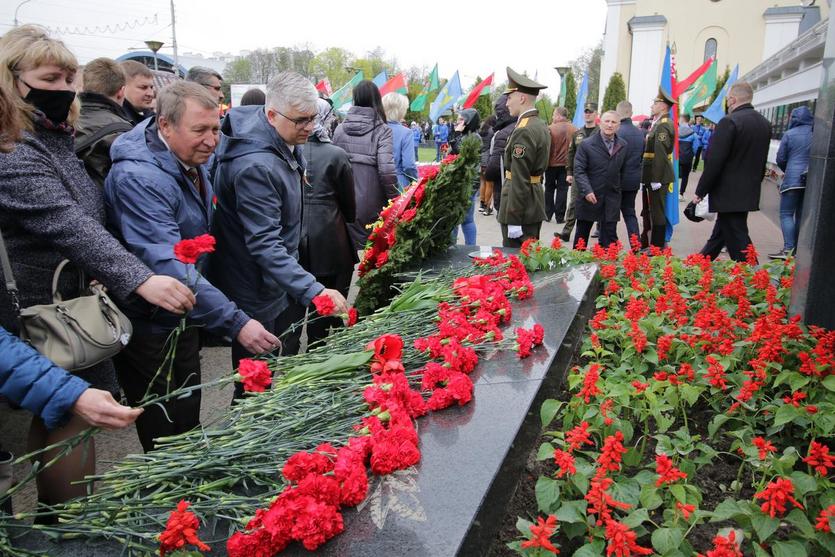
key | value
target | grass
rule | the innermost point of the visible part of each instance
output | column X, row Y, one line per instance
column 426, row 154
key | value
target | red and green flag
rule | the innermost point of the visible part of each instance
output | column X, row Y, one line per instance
column 396, row 84
column 344, row 94
column 482, row 88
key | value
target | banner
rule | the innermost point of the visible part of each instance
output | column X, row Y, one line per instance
column 344, row 95
column 420, row 101
column 482, row 88
column 446, row 98
column 324, row 87
column 701, row 90
column 716, row 111
column 396, row 84
column 578, row 121
column 380, row 79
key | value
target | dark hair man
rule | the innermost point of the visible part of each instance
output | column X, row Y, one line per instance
column 139, row 91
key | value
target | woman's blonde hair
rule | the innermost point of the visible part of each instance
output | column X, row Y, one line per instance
column 28, row 47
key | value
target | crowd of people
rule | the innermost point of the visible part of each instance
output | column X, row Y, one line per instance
column 112, row 174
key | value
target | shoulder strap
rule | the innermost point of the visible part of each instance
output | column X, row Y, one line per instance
column 11, row 285
column 88, row 140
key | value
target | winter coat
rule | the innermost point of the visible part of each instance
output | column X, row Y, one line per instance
column 258, row 219
column 634, row 137
column 687, row 145
column 98, row 112
column 329, row 205
column 734, row 171
column 795, row 149
column 505, row 124
column 152, row 205
column 369, row 144
column 441, row 133
column 595, row 170
column 32, row 381
column 50, row 210
column 404, row 154
column 486, row 141
column 417, row 136
column 135, row 116
column 561, row 133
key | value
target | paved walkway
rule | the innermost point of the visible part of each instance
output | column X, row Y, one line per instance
column 689, row 237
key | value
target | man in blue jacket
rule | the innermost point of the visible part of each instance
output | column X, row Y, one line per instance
column 441, row 133
column 793, row 159
column 259, row 175
column 158, row 193
column 631, row 178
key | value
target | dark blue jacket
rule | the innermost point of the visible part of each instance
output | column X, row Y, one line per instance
column 441, row 133
column 688, row 143
column 634, row 137
column 258, row 220
column 795, row 149
column 152, row 205
column 598, row 172
column 35, row 383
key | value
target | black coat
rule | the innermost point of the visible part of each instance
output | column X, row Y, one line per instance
column 502, row 131
column 634, row 138
column 738, row 152
column 595, row 170
column 98, row 112
column 329, row 205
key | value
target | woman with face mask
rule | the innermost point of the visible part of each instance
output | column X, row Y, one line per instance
column 50, row 210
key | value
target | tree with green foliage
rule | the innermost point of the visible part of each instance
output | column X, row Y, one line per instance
column 545, row 106
column 570, row 94
column 719, row 84
column 589, row 61
column 615, row 92
column 238, row 71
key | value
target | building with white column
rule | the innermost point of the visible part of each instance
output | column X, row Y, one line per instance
column 744, row 32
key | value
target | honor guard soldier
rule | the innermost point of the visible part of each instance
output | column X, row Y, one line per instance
column 522, row 207
column 589, row 128
column 657, row 172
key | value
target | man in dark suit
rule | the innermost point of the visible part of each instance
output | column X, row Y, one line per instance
column 598, row 171
column 631, row 182
column 734, row 172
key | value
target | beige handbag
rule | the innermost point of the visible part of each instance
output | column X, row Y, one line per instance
column 75, row 334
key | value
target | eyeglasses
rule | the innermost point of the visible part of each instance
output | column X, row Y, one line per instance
column 588, row 111
column 301, row 122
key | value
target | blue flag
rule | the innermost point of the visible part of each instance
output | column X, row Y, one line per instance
column 671, row 199
column 446, row 98
column 579, row 122
column 716, row 111
column 380, row 79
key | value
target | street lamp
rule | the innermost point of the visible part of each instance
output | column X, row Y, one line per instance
column 16, row 23
column 562, row 71
column 154, row 46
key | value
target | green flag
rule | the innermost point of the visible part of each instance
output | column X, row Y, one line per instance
column 344, row 94
column 702, row 90
column 434, row 84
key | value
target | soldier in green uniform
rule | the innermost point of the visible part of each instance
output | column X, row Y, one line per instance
column 589, row 128
column 657, row 172
column 522, row 207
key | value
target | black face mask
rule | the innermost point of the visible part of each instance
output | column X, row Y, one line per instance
column 54, row 104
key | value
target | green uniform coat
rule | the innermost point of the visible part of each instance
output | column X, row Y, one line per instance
column 526, row 155
column 658, row 167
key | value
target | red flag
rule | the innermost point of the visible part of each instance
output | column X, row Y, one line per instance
column 476, row 92
column 324, row 87
column 396, row 84
column 685, row 84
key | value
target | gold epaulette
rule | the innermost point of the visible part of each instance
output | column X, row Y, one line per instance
column 523, row 122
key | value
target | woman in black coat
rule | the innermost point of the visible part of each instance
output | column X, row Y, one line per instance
column 494, row 171
column 329, row 205
column 50, row 210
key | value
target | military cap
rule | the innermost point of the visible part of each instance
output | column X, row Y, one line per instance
column 590, row 106
column 521, row 83
column 664, row 97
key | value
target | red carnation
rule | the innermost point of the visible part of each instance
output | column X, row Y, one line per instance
column 189, row 251
column 255, row 375
column 181, row 530
column 324, row 304
column 352, row 317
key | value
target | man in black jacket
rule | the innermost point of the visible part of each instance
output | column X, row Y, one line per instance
column 139, row 91
column 589, row 128
column 598, row 171
column 505, row 124
column 631, row 181
column 734, row 172
column 102, row 119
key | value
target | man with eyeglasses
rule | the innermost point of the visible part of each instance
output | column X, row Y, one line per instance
column 589, row 128
column 259, row 179
column 209, row 79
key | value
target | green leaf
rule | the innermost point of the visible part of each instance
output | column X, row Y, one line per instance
column 627, row 430
column 827, row 541
column 632, row 457
column 798, row 381
column 759, row 551
column 667, row 539
column 690, row 393
column 572, row 511
column 781, row 378
column 716, row 423
column 803, row 483
column 628, row 491
column 785, row 414
column 678, row 492
column 729, row 508
column 548, row 410
column 524, row 526
column 573, row 530
column 636, row 518
column 798, row 519
column 545, row 452
column 788, row 549
column 650, row 498
column 829, row 382
column 547, row 494
column 593, row 549
column 764, row 525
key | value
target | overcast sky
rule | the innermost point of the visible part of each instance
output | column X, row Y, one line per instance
column 476, row 38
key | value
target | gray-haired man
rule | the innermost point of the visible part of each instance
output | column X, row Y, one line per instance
column 259, row 179
column 209, row 79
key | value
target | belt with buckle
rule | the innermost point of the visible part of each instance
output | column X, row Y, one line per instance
column 534, row 179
